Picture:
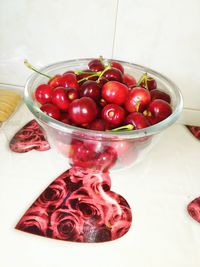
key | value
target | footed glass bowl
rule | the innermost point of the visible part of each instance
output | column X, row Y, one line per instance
column 79, row 205
column 96, row 149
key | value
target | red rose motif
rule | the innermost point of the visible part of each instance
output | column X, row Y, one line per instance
column 66, row 225
column 31, row 136
column 194, row 209
column 34, row 221
column 53, row 195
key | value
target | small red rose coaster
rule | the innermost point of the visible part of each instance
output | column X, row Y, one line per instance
column 194, row 209
column 195, row 130
column 78, row 206
column 30, row 137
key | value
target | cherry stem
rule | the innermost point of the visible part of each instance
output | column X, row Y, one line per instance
column 28, row 65
column 88, row 77
column 102, row 73
column 128, row 127
column 144, row 79
column 84, row 72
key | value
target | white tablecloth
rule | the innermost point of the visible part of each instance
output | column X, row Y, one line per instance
column 158, row 191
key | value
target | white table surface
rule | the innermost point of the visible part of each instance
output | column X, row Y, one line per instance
column 158, row 191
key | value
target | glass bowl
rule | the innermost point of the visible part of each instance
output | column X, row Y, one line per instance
column 99, row 150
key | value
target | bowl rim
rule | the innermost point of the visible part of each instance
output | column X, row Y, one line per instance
column 156, row 128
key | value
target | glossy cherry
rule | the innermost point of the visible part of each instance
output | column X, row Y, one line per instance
column 51, row 110
column 113, row 74
column 95, row 65
column 157, row 94
column 97, row 125
column 158, row 110
column 115, row 92
column 117, row 65
column 60, row 99
column 138, row 120
column 138, row 99
column 113, row 114
column 43, row 93
column 149, row 83
column 69, row 80
column 55, row 81
column 83, row 111
column 129, row 80
column 90, row 89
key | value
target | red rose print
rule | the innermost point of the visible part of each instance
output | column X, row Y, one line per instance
column 31, row 136
column 78, row 206
column 194, row 209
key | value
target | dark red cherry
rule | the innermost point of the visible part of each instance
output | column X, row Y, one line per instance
column 150, row 83
column 113, row 74
column 83, row 111
column 90, row 89
column 64, row 117
column 117, row 65
column 138, row 99
column 51, row 110
column 95, row 65
column 158, row 110
column 113, row 114
column 97, row 125
column 129, row 80
column 60, row 99
column 138, row 120
column 55, row 81
column 115, row 92
column 157, row 94
column 43, row 93
column 69, row 80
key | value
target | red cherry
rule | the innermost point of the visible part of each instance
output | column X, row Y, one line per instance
column 60, row 99
column 117, row 65
column 129, row 80
column 138, row 99
column 55, row 81
column 151, row 83
column 157, row 94
column 97, row 125
column 51, row 110
column 83, row 110
column 90, row 89
column 64, row 117
column 72, row 94
column 106, row 159
column 158, row 110
column 69, row 80
column 115, row 92
column 113, row 114
column 95, row 65
column 43, row 93
column 113, row 74
column 138, row 120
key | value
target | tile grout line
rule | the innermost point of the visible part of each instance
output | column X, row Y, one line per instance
column 115, row 29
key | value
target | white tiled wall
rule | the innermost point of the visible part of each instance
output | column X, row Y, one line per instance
column 163, row 35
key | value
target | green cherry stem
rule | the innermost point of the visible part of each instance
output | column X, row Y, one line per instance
column 84, row 72
column 143, row 78
column 28, row 65
column 88, row 77
column 102, row 73
column 128, row 127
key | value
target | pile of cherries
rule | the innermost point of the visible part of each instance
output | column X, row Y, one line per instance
column 103, row 97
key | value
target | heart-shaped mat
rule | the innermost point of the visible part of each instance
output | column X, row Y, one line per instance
column 194, row 209
column 30, row 137
column 78, row 206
